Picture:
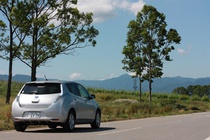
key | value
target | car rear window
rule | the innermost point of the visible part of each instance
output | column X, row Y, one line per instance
column 41, row 88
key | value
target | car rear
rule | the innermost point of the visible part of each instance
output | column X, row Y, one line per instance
column 39, row 103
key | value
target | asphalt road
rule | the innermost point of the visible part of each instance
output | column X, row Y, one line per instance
column 180, row 127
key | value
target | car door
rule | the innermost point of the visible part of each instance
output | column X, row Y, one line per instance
column 77, row 101
column 87, row 108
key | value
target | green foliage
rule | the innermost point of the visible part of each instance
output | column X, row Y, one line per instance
column 162, row 96
column 184, row 97
column 118, row 105
column 5, row 109
column 11, row 38
column 16, row 86
column 3, row 86
column 173, row 96
column 105, row 97
column 44, row 29
column 205, row 98
column 180, row 107
column 180, row 90
column 193, row 90
column 195, row 98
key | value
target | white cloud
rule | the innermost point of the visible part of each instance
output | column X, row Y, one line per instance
column 102, row 9
column 181, row 51
column 74, row 76
column 184, row 52
column 105, row 9
column 137, row 6
column 112, row 75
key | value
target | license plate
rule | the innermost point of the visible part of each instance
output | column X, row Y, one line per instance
column 32, row 115
column 35, row 115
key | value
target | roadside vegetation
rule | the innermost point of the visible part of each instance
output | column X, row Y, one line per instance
column 121, row 105
column 5, row 109
column 118, row 105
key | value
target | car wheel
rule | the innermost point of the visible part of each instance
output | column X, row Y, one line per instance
column 97, row 121
column 20, row 126
column 70, row 122
column 52, row 126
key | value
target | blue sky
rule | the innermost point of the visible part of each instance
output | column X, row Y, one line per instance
column 191, row 18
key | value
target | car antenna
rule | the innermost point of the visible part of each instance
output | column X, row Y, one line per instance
column 45, row 78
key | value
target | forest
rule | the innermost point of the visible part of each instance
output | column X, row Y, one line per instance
column 193, row 90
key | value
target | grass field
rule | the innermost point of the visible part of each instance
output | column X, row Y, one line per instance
column 119, row 105
column 5, row 109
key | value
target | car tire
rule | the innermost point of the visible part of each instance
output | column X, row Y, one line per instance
column 70, row 122
column 20, row 126
column 96, row 123
column 52, row 126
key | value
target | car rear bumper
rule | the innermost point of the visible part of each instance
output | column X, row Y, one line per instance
column 54, row 113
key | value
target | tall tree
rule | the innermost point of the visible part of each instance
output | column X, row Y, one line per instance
column 10, row 37
column 155, row 43
column 133, row 61
column 57, row 27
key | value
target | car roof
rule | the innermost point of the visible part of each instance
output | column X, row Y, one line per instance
column 59, row 82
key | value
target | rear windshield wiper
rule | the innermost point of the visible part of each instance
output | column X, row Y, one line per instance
column 30, row 92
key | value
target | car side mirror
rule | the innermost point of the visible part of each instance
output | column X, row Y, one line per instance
column 92, row 96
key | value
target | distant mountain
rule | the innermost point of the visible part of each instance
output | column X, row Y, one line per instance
column 126, row 82
column 19, row 78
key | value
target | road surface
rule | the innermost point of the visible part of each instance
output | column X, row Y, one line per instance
column 179, row 127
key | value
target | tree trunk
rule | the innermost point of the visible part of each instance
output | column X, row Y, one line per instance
column 34, row 54
column 150, row 82
column 150, row 91
column 140, row 89
column 33, row 71
column 9, row 82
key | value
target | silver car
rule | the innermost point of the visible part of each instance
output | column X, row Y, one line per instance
column 55, row 104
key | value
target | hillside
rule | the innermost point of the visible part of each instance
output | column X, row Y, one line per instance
column 18, row 78
column 126, row 82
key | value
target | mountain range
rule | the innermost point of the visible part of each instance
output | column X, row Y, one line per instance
column 126, row 82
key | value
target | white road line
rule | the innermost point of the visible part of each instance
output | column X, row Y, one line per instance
column 119, row 131
column 207, row 138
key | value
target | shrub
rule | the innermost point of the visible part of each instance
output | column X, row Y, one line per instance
column 180, row 107
column 194, row 108
column 133, row 108
column 195, row 98
column 167, row 109
column 184, row 97
column 105, row 97
column 205, row 98
column 165, row 102
column 173, row 96
column 162, row 96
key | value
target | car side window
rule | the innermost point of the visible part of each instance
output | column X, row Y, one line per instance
column 83, row 92
column 73, row 89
